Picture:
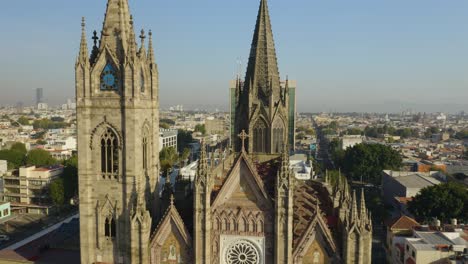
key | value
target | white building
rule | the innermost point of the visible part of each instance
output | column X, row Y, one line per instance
column 349, row 141
column 434, row 247
column 302, row 169
column 3, row 167
column 167, row 138
column 407, row 184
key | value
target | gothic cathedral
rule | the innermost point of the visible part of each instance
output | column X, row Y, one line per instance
column 244, row 207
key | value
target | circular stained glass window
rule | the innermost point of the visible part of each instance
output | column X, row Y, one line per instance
column 242, row 252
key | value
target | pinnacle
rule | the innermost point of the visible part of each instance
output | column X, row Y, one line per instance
column 83, row 54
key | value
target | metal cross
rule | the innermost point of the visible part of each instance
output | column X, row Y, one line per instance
column 243, row 136
column 95, row 38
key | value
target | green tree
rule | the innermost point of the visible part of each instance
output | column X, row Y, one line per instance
column 200, row 128
column 167, row 121
column 23, row 120
column 15, row 159
column 354, row 131
column 371, row 132
column 57, row 119
column 184, row 138
column 39, row 157
column 185, row 154
column 164, row 125
column 57, row 192
column 443, row 201
column 167, row 158
column 430, row 131
column 366, row 161
column 20, row 147
column 70, row 177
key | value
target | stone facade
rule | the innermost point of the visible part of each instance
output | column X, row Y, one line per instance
column 243, row 207
column 118, row 120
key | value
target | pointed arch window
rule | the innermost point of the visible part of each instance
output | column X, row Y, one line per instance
column 278, row 137
column 142, row 82
column 109, row 155
column 260, row 139
column 109, row 78
column 109, row 227
column 145, row 153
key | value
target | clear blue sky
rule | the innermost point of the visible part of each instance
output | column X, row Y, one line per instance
column 359, row 55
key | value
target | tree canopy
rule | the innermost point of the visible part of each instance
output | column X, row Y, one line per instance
column 20, row 147
column 48, row 124
column 14, row 158
column 23, row 120
column 39, row 157
column 443, row 201
column 70, row 177
column 167, row 158
column 200, row 128
column 366, row 161
column 57, row 192
column 184, row 138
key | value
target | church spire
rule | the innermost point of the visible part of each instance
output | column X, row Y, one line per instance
column 262, row 68
column 83, row 53
column 117, row 28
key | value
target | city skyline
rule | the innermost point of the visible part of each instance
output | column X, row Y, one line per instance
column 397, row 55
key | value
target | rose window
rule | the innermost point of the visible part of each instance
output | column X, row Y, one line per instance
column 242, row 252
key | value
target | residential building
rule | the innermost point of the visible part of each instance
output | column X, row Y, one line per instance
column 3, row 166
column 435, row 247
column 27, row 188
column 5, row 210
column 397, row 229
column 167, row 138
column 396, row 184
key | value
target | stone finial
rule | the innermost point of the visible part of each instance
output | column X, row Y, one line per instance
column 142, row 37
column 172, row 200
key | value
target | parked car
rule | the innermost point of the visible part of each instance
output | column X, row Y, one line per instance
column 4, row 238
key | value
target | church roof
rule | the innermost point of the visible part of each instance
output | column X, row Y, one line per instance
column 402, row 222
column 262, row 69
column 307, row 200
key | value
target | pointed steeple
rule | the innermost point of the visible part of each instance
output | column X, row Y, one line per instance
column 83, row 54
column 117, row 28
column 262, row 68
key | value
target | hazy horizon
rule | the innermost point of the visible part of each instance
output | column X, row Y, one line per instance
column 359, row 56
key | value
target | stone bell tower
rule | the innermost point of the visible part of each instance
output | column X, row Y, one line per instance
column 118, row 120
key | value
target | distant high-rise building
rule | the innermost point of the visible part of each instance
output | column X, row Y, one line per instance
column 39, row 96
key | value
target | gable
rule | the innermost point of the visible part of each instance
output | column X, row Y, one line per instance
column 242, row 187
column 171, row 242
